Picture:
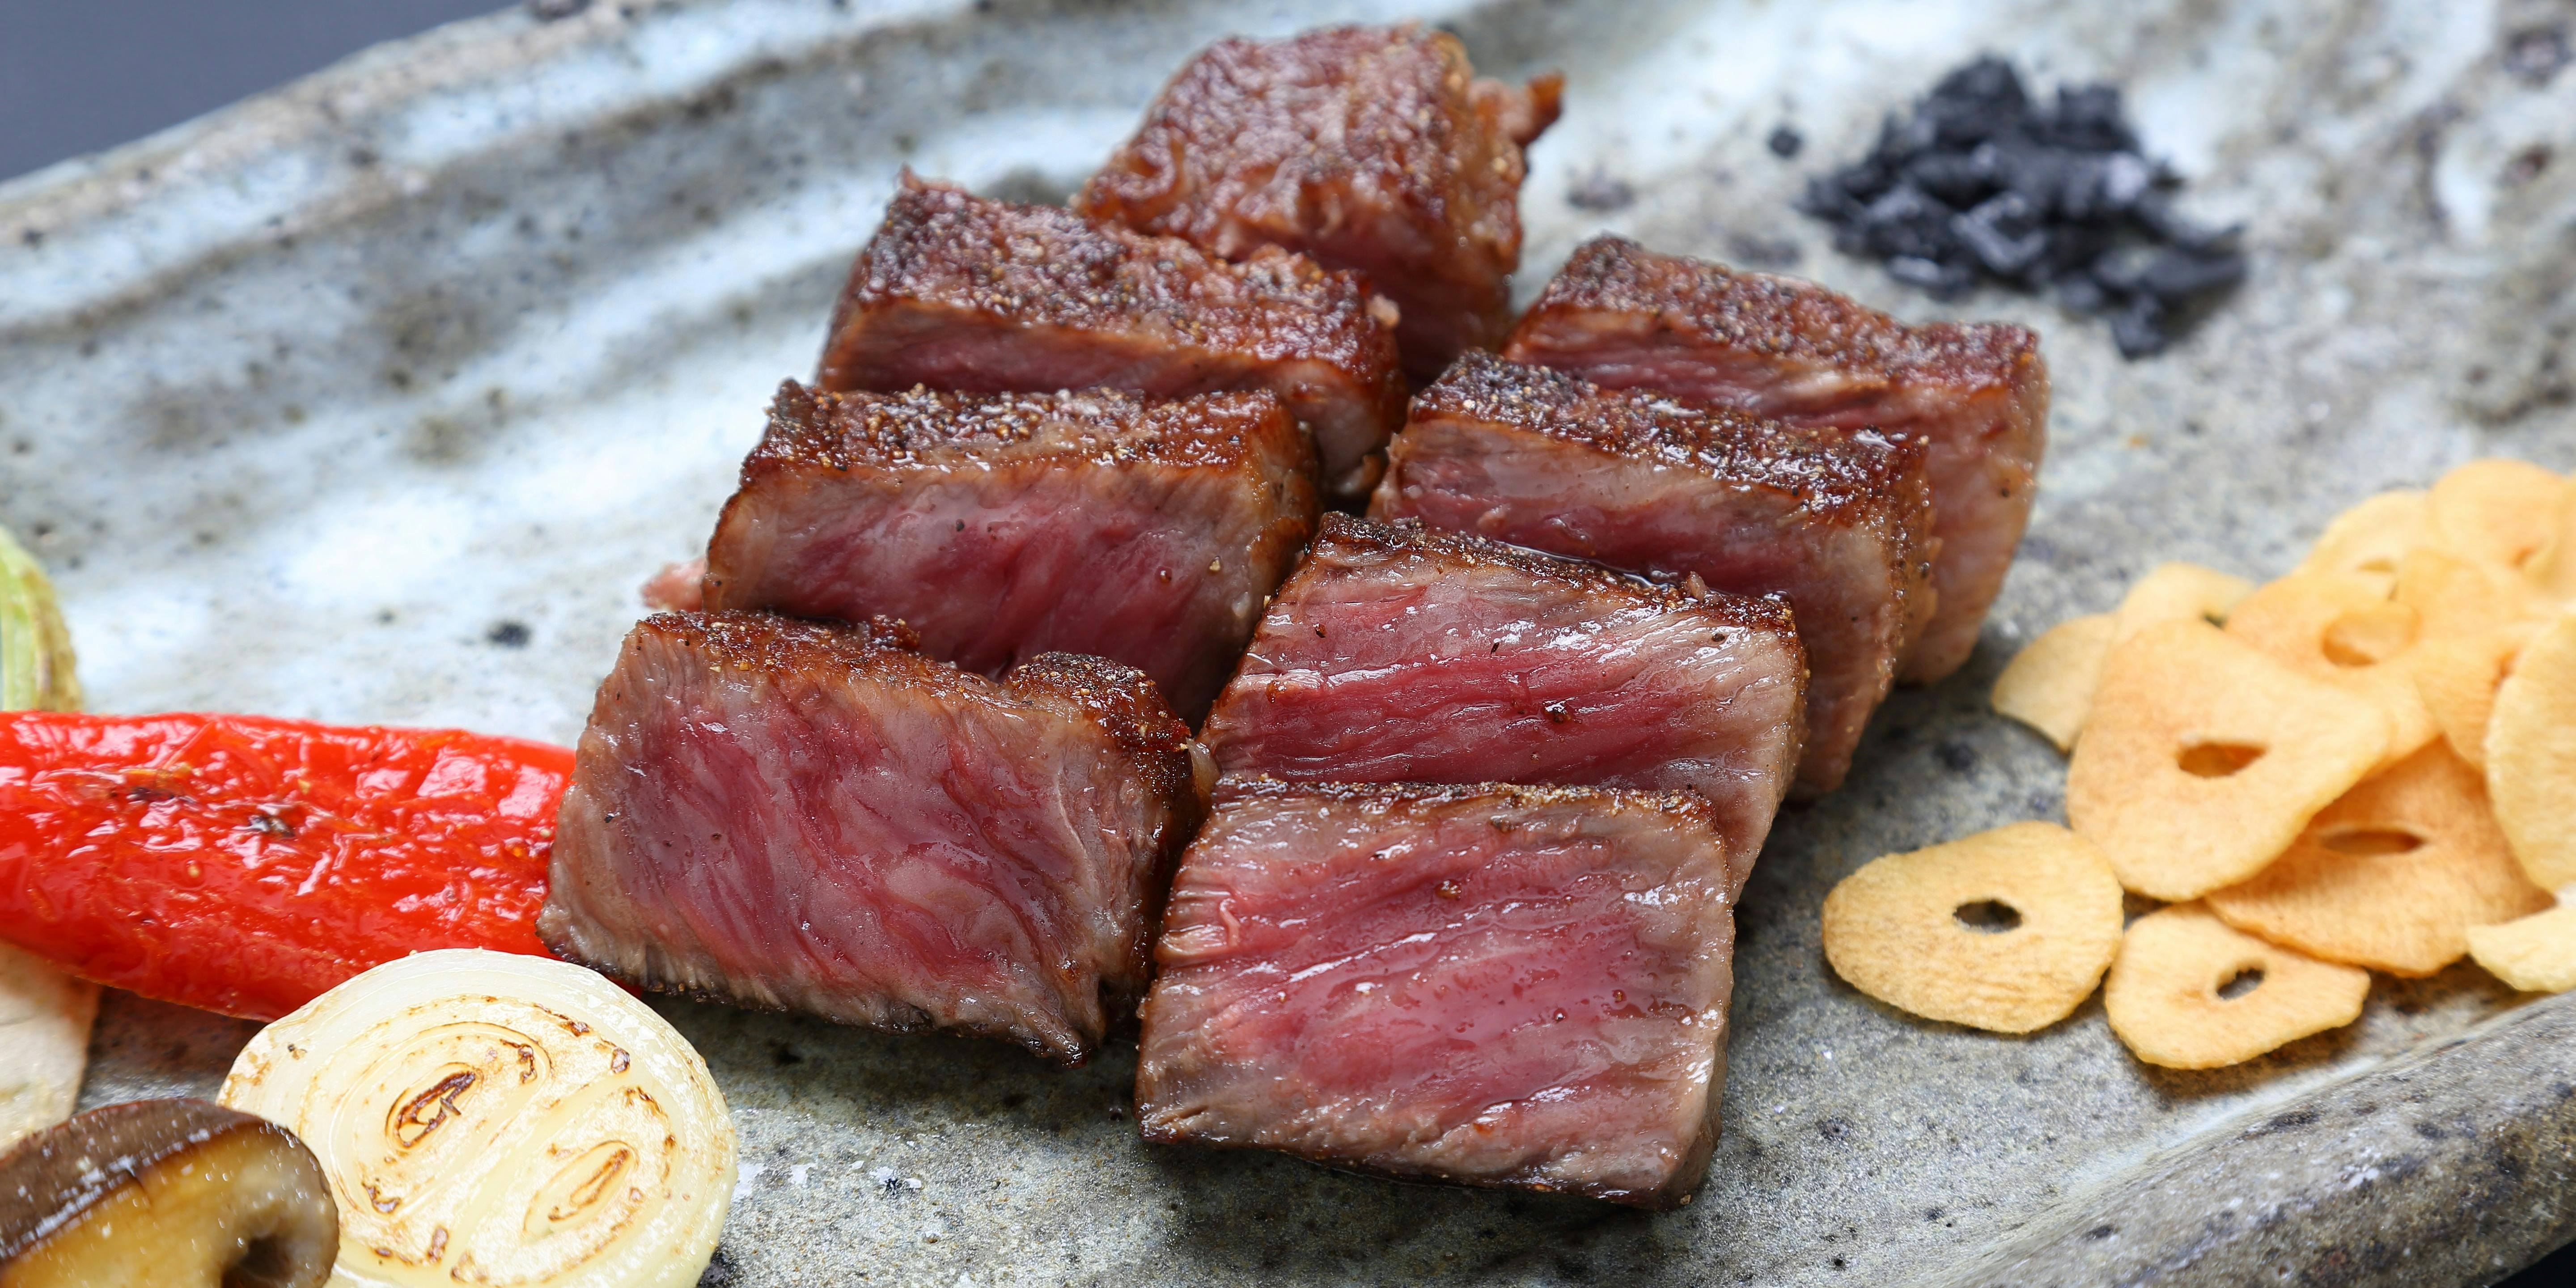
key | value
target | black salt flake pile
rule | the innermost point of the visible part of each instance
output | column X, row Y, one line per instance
column 1983, row 183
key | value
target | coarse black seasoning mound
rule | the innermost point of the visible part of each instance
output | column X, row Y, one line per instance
column 1982, row 182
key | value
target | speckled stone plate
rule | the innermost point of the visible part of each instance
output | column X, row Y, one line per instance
column 374, row 399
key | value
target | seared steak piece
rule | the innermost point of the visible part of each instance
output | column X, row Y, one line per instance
column 1833, row 519
column 1396, row 654
column 960, row 293
column 1505, row 986
column 1976, row 392
column 1370, row 148
column 813, row 817
column 1002, row 526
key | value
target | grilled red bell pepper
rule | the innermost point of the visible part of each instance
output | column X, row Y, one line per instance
column 246, row 865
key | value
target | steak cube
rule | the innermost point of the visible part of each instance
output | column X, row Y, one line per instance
column 811, row 817
column 1396, row 654
column 1504, row 986
column 956, row 292
column 1976, row 393
column 1368, row 148
column 1832, row 519
column 1002, row 526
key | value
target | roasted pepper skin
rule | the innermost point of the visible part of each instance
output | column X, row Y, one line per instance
column 246, row 865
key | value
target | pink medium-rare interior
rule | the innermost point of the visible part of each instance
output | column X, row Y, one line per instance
column 859, row 845
column 992, row 566
column 1419, row 664
column 1533, row 490
column 1475, row 990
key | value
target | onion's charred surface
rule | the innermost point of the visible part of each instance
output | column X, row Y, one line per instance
column 1834, row 520
column 999, row 527
column 1975, row 393
column 1368, row 148
column 1397, row 654
column 1503, row 986
column 957, row 292
column 818, row 818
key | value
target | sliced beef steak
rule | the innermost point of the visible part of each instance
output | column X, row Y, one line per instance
column 1507, row 986
column 1397, row 654
column 1832, row 519
column 960, row 293
column 1976, row 393
column 1002, row 526
column 1370, row 148
column 818, row 818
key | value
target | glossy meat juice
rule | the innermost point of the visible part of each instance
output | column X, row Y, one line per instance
column 1399, row 654
column 1504, row 986
column 800, row 816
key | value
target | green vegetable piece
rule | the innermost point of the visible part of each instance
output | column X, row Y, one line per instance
column 35, row 651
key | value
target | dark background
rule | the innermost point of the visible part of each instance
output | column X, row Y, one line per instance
column 81, row 75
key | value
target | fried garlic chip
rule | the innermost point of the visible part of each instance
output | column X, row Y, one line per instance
column 2204, row 759
column 2457, row 677
column 2531, row 756
column 2391, row 876
column 2453, row 595
column 2341, row 630
column 2369, row 539
column 2189, row 992
column 2049, row 684
column 2496, row 511
column 2178, row 592
column 2536, row 954
column 2550, row 573
column 2007, row 930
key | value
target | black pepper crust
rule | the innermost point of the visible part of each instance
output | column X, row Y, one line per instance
column 1779, row 317
column 1349, row 540
column 846, row 431
column 1437, row 146
column 1120, row 699
column 769, row 642
column 1842, row 476
column 1686, row 808
column 1124, row 701
column 1375, row 148
column 1047, row 267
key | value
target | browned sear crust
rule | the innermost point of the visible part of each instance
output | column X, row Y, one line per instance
column 1369, row 148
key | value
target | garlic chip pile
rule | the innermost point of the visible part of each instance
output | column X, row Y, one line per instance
column 2363, row 766
column 2368, row 764
column 489, row 1118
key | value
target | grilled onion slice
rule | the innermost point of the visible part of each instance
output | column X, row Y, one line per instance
column 493, row 1118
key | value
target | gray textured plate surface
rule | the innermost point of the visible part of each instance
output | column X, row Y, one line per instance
column 309, row 401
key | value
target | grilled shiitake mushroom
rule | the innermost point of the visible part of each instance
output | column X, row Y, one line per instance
column 169, row 1194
